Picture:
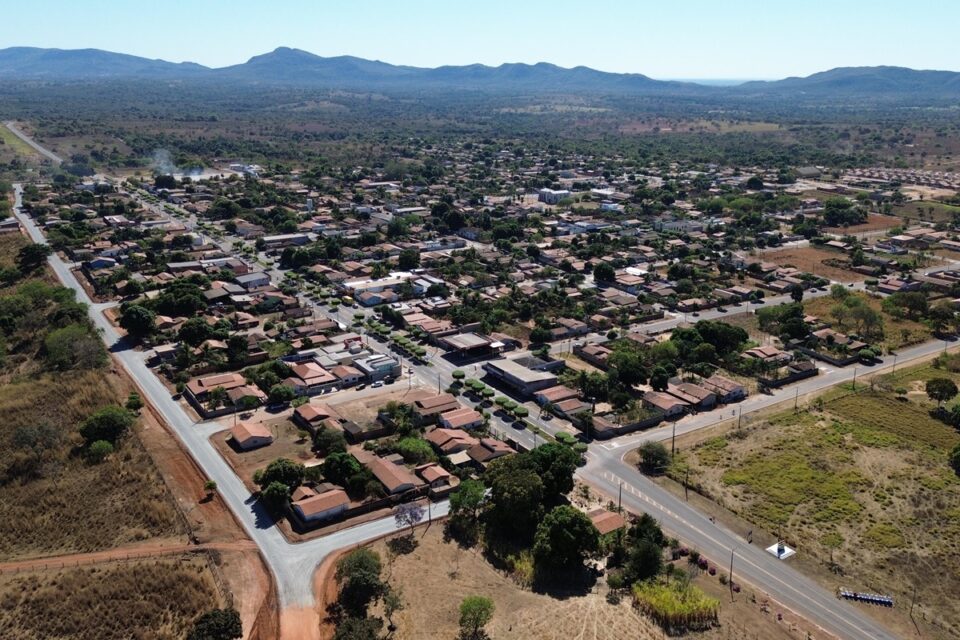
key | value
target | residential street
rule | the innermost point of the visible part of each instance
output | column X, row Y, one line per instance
column 293, row 564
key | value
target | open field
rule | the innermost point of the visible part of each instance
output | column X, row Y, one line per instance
column 363, row 410
column 438, row 575
column 897, row 332
column 148, row 600
column 811, row 260
column 927, row 211
column 11, row 145
column 875, row 222
column 864, row 482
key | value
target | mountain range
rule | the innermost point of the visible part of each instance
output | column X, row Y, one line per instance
column 296, row 67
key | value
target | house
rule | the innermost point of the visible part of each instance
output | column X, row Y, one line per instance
column 768, row 355
column 518, row 375
column 696, row 396
column 250, row 435
column 313, row 416
column 487, row 450
column 669, row 405
column 436, row 477
column 309, row 378
column 554, row 395
column 429, row 409
column 347, row 375
column 726, row 389
column 606, row 521
column 198, row 390
column 552, row 196
column 595, row 354
column 450, row 441
column 395, row 478
column 463, row 418
column 321, row 506
column 255, row 280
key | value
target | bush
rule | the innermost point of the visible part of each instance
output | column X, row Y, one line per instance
column 654, row 457
column 98, row 451
column 109, row 423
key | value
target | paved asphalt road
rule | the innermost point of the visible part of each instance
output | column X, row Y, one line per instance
column 44, row 152
column 292, row 564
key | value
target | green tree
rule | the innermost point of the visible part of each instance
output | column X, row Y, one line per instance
column 465, row 506
column 109, row 423
column 358, row 629
column 219, row 624
column 275, row 495
column 604, row 272
column 941, row 390
column 796, row 293
column 955, row 459
column 564, row 539
column 282, row 470
column 31, row 256
column 327, row 441
column 415, row 450
column 475, row 613
column 339, row 467
column 281, row 394
column 555, row 464
column 654, row 457
column 138, row 321
column 644, row 560
column 194, row 331
column 74, row 347
column 408, row 259
column 358, row 576
column 516, row 501
column 659, row 378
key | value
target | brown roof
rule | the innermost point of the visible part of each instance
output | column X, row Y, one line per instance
column 448, row 440
column 392, row 476
column 322, row 502
column 606, row 521
column 314, row 412
column 461, row 417
column 243, row 431
column 432, row 472
column 557, row 393
column 489, row 449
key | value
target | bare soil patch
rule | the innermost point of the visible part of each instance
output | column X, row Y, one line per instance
column 813, row 260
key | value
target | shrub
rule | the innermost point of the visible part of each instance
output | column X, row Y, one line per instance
column 99, row 451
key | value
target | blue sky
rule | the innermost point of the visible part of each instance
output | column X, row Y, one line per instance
column 699, row 39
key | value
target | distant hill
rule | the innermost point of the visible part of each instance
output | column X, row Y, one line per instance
column 80, row 64
column 865, row 81
column 296, row 67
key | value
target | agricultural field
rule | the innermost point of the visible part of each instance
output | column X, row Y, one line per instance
column 148, row 600
column 861, row 483
column 897, row 332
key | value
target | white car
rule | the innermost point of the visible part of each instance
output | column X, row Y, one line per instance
column 378, row 383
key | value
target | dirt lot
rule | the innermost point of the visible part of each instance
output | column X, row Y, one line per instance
column 811, row 260
column 864, row 482
column 438, row 575
column 286, row 444
column 875, row 222
column 363, row 410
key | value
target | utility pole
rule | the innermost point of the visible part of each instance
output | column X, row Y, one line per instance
column 854, row 379
column 620, row 499
column 686, row 485
column 673, row 441
column 732, row 551
column 894, row 363
column 739, row 418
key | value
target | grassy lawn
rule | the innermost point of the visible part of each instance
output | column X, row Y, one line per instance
column 864, row 480
column 897, row 332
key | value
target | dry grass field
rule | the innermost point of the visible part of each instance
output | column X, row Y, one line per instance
column 436, row 577
column 875, row 222
column 811, row 260
column 149, row 600
column 864, row 481
column 897, row 332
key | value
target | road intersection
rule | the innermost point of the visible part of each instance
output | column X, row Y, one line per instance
column 293, row 564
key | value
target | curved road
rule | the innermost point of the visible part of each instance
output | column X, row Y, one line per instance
column 293, row 565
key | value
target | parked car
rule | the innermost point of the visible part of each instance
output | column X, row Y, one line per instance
column 378, row 383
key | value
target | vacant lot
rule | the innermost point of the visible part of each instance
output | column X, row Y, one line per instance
column 150, row 600
column 897, row 332
column 74, row 506
column 811, row 260
column 927, row 211
column 437, row 576
column 875, row 222
column 287, row 443
column 864, row 481
column 363, row 410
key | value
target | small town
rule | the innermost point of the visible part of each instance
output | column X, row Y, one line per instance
column 329, row 348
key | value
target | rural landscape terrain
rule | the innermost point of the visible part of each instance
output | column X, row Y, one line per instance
column 318, row 348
